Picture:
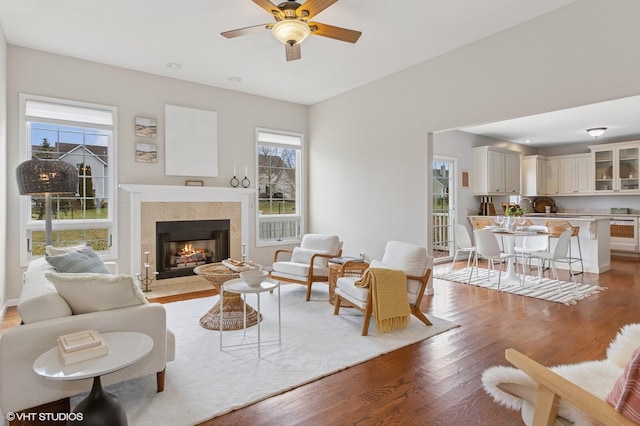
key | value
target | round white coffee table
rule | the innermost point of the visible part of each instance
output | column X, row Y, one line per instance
column 238, row 286
column 99, row 407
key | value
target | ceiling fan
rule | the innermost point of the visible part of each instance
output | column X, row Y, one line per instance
column 292, row 25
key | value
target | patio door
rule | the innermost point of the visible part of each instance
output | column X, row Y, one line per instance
column 444, row 196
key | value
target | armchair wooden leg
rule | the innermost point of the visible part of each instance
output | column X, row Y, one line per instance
column 336, row 307
column 160, row 380
column 309, row 291
column 367, row 318
column 420, row 315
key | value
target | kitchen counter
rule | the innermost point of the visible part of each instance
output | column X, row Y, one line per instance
column 594, row 238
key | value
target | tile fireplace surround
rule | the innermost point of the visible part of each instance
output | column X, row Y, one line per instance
column 149, row 204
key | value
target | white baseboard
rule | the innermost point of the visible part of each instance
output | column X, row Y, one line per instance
column 8, row 303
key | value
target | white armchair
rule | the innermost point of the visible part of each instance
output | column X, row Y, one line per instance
column 309, row 262
column 411, row 259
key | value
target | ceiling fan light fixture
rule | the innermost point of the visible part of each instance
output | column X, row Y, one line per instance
column 290, row 31
column 597, row 131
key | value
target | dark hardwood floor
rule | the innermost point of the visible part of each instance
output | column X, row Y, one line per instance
column 437, row 381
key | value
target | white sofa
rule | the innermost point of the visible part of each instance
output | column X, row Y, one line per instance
column 46, row 315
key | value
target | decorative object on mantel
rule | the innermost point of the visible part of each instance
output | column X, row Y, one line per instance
column 194, row 183
column 246, row 182
column 47, row 177
column 148, row 278
column 146, row 127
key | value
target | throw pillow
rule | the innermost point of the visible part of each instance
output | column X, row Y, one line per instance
column 56, row 251
column 83, row 260
column 96, row 292
column 625, row 395
column 302, row 255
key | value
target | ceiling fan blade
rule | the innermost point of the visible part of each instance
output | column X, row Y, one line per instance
column 244, row 31
column 311, row 8
column 293, row 52
column 338, row 33
column 271, row 8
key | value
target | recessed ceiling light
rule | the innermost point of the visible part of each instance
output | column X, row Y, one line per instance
column 174, row 65
column 235, row 79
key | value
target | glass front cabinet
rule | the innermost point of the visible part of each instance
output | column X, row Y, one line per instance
column 615, row 167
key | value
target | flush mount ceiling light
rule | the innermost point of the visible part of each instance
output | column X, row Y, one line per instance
column 596, row 131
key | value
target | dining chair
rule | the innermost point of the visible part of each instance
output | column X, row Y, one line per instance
column 532, row 244
column 463, row 244
column 559, row 254
column 487, row 248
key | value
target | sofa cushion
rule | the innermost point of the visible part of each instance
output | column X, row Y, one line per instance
column 83, row 260
column 87, row 292
column 625, row 394
column 56, row 251
column 39, row 300
column 302, row 255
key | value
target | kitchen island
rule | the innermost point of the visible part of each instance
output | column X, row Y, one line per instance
column 594, row 239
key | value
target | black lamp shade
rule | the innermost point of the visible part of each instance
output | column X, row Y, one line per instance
column 37, row 177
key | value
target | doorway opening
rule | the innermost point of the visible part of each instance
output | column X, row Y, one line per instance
column 444, row 196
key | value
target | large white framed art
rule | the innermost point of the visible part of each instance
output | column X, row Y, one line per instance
column 191, row 142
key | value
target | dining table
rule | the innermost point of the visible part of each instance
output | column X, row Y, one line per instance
column 508, row 245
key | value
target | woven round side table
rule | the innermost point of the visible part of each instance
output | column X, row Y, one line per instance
column 234, row 307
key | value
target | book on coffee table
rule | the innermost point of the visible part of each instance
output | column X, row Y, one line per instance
column 82, row 345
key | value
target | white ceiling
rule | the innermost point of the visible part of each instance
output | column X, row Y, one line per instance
column 145, row 35
column 621, row 117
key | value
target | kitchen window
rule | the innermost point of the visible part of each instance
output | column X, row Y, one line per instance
column 83, row 135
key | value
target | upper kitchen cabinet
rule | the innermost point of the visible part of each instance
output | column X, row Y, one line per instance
column 495, row 171
column 540, row 175
column 574, row 174
column 615, row 167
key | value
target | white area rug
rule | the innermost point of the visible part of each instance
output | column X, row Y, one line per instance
column 547, row 289
column 204, row 382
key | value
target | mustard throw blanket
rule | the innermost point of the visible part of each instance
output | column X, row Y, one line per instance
column 389, row 299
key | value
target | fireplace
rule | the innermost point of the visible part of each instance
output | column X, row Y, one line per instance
column 182, row 245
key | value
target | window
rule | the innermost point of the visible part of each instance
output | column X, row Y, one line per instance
column 444, row 194
column 82, row 135
column 279, row 159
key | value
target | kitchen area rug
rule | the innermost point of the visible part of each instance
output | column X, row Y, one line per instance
column 558, row 291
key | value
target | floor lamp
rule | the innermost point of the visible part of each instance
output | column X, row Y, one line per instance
column 47, row 177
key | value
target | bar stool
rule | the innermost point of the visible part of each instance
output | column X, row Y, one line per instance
column 556, row 228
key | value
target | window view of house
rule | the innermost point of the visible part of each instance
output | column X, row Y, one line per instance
column 83, row 138
column 279, row 206
column 443, row 173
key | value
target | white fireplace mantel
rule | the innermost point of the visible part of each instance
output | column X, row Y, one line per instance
column 139, row 194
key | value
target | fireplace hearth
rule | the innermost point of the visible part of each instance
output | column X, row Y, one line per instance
column 184, row 244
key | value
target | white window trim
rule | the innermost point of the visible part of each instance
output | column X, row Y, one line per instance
column 25, row 207
column 300, row 176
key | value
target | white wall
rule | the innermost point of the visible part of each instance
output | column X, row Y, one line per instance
column 368, row 173
column 3, row 168
column 140, row 94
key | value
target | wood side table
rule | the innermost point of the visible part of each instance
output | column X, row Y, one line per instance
column 352, row 268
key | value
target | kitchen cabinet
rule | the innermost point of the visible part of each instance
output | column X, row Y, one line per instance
column 552, row 178
column 540, row 175
column 574, row 174
column 615, row 167
column 496, row 171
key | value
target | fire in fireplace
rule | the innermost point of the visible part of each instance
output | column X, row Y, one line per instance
column 184, row 244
